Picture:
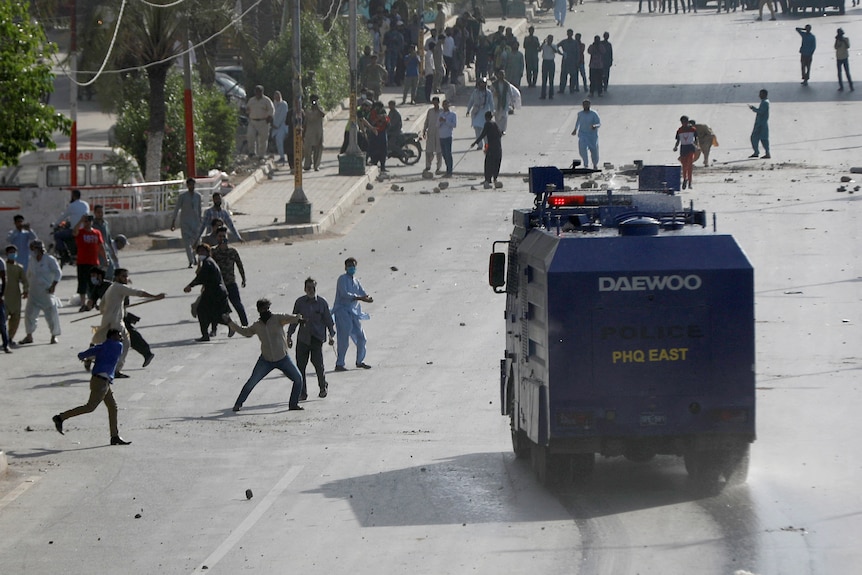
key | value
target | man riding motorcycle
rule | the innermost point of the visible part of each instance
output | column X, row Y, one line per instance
column 64, row 241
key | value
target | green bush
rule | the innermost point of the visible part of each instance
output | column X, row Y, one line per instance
column 324, row 57
column 215, row 126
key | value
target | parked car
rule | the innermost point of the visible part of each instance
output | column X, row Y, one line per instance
column 232, row 90
column 234, row 72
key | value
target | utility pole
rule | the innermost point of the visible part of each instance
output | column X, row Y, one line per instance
column 298, row 209
column 73, row 97
column 352, row 162
column 188, row 100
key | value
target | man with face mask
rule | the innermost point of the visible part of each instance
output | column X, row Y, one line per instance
column 318, row 320
column 348, row 313
column 43, row 275
column 16, row 290
column 213, row 302
column 217, row 211
column 273, row 351
column 226, row 258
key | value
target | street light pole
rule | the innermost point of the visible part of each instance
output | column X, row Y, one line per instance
column 298, row 209
column 73, row 98
column 188, row 101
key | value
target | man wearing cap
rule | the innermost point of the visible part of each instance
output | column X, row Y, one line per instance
column 189, row 203
column 312, row 136
column 43, row 275
column 260, row 110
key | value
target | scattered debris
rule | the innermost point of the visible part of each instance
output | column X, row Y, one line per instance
column 409, row 229
column 248, row 494
column 498, row 185
column 369, row 186
column 443, row 185
column 427, row 175
column 393, row 268
column 28, row 428
column 846, row 179
column 425, row 192
column 436, row 190
column 462, row 324
column 371, row 198
column 397, row 188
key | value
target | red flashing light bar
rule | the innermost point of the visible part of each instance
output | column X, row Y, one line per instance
column 563, row 201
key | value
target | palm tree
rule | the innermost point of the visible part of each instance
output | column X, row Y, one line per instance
column 152, row 40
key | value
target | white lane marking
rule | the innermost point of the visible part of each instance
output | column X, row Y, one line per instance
column 157, row 381
column 18, row 491
column 176, row 368
column 136, row 396
column 249, row 521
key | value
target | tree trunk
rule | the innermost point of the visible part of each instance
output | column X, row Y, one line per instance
column 158, row 76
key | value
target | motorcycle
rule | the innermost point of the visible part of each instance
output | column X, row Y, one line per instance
column 63, row 248
column 409, row 149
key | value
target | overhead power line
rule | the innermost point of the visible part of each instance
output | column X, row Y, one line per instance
column 163, row 60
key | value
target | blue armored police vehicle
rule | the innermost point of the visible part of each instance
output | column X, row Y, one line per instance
column 629, row 332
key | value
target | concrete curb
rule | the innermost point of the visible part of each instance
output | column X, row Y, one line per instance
column 4, row 466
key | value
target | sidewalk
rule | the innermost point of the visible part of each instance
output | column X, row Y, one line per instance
column 258, row 204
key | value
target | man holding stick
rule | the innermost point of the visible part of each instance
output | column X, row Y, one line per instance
column 113, row 310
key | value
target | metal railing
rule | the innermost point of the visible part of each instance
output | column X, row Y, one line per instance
column 147, row 197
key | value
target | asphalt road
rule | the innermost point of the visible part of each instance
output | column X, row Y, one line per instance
column 407, row 467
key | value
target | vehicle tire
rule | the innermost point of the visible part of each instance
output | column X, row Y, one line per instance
column 582, row 466
column 551, row 469
column 735, row 465
column 521, row 444
column 639, row 454
column 410, row 153
column 704, row 467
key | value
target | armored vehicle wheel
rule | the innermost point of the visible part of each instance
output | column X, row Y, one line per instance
column 550, row 469
column 708, row 467
column 735, row 467
column 520, row 443
column 703, row 467
column 639, row 454
column 582, row 466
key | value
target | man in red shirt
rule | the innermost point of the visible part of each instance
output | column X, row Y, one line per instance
column 91, row 247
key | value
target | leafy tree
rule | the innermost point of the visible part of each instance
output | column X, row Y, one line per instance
column 323, row 52
column 215, row 126
column 25, row 83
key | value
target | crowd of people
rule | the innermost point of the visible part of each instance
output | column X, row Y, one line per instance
column 29, row 273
